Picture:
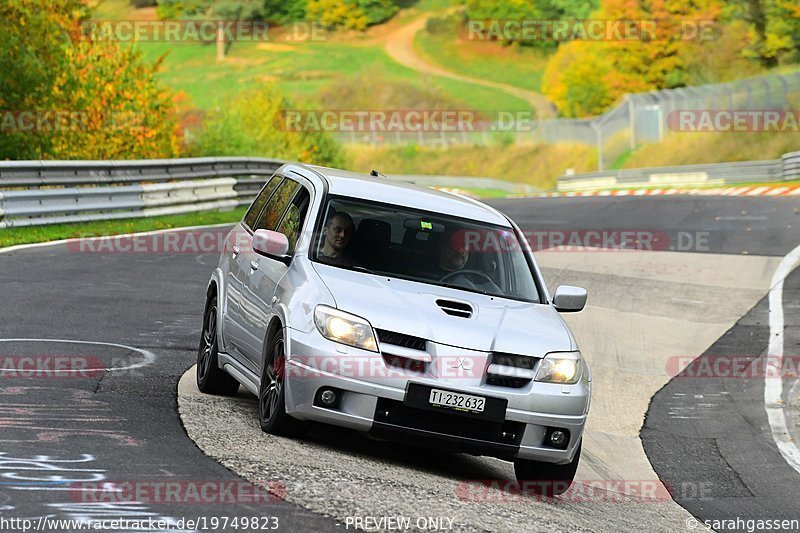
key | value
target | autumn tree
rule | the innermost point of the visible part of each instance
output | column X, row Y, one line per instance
column 350, row 14
column 659, row 57
column 108, row 100
column 255, row 123
column 544, row 11
column 774, row 29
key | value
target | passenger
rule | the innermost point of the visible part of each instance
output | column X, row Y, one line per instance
column 337, row 233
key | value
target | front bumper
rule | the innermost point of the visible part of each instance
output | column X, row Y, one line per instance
column 372, row 395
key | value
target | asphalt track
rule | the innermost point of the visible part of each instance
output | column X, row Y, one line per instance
column 120, row 426
column 711, row 430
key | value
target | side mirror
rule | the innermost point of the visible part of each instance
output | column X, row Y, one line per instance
column 271, row 244
column 569, row 299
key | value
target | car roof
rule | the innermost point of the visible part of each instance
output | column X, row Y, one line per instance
column 381, row 189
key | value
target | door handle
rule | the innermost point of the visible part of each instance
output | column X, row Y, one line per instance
column 236, row 250
column 253, row 265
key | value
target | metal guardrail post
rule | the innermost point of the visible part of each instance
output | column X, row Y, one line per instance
column 599, row 133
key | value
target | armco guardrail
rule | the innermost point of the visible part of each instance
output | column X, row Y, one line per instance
column 786, row 168
column 35, row 193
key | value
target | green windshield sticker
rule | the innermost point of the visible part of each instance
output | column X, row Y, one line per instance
column 425, row 225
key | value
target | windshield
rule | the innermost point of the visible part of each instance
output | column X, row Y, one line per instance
column 422, row 246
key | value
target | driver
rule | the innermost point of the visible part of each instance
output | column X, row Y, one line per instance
column 453, row 253
column 452, row 257
column 337, row 233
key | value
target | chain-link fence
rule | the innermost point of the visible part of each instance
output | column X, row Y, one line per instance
column 639, row 118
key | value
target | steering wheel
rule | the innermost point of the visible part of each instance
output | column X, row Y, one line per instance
column 467, row 273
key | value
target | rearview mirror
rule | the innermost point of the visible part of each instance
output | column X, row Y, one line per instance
column 271, row 244
column 569, row 299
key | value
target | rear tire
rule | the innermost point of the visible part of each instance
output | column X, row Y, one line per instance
column 272, row 393
column 211, row 379
column 546, row 478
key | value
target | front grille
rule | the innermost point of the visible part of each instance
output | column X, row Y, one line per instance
column 512, row 360
column 505, row 381
column 515, row 361
column 397, row 414
column 404, row 363
column 400, row 339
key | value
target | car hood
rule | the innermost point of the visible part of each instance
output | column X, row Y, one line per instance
column 497, row 324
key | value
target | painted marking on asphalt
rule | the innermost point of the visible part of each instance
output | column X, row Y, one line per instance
column 779, row 190
column 149, row 357
column 745, row 217
column 773, row 386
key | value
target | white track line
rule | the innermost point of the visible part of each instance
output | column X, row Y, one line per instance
column 773, row 385
column 149, row 357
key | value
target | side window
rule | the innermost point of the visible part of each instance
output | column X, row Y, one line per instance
column 260, row 201
column 294, row 218
column 277, row 205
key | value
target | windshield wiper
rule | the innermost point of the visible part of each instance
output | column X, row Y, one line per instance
column 463, row 288
column 359, row 268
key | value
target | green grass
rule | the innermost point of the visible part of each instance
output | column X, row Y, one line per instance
column 513, row 65
column 621, row 159
column 538, row 165
column 111, row 9
column 486, row 193
column 300, row 70
column 28, row 235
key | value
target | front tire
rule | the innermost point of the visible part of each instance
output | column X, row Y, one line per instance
column 272, row 393
column 546, row 478
column 211, row 379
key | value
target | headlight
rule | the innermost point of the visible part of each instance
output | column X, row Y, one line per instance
column 345, row 328
column 560, row 367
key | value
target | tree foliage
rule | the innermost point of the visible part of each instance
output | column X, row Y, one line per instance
column 350, row 14
column 585, row 77
column 254, row 124
column 342, row 14
column 774, row 29
column 284, row 11
column 525, row 10
column 107, row 98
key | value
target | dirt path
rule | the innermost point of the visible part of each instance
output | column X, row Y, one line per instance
column 400, row 46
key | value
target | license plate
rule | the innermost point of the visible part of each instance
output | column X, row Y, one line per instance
column 457, row 400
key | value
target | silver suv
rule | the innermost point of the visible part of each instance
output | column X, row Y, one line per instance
column 403, row 312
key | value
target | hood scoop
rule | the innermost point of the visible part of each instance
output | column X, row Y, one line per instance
column 453, row 308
